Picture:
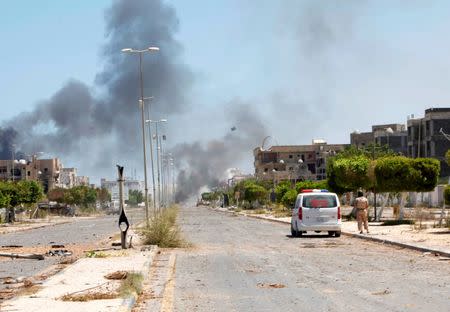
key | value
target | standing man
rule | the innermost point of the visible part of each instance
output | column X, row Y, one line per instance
column 361, row 204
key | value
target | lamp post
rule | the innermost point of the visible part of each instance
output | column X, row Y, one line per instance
column 156, row 122
column 388, row 131
column 141, row 83
column 151, row 154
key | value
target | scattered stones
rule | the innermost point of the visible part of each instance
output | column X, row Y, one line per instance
column 59, row 252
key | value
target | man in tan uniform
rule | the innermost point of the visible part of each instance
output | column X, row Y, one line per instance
column 361, row 205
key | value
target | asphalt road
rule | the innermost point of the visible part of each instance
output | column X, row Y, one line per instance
column 81, row 231
column 243, row 264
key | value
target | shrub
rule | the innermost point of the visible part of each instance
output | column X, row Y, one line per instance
column 447, row 194
column 289, row 198
column 281, row 189
column 162, row 230
column 311, row 185
column 400, row 174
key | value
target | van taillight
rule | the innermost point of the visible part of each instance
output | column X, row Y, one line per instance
column 300, row 213
column 339, row 213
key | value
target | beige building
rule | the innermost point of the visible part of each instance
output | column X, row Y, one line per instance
column 82, row 180
column 67, row 177
column 46, row 171
column 294, row 162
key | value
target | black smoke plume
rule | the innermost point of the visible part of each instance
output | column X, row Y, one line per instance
column 83, row 121
column 206, row 164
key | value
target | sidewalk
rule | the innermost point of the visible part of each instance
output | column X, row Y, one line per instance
column 433, row 240
column 79, row 286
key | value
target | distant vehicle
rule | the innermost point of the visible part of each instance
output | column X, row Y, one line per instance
column 316, row 210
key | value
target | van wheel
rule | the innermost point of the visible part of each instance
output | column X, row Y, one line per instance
column 331, row 233
column 337, row 234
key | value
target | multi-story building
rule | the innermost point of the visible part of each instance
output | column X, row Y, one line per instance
column 294, row 162
column 392, row 135
column 46, row 171
column 67, row 177
column 426, row 138
column 82, row 180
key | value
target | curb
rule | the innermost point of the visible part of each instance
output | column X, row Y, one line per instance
column 34, row 227
column 394, row 243
column 128, row 303
column 373, row 239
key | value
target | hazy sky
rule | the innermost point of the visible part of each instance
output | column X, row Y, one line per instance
column 310, row 69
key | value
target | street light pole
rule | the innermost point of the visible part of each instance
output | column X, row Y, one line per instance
column 151, row 155
column 158, row 157
column 143, row 121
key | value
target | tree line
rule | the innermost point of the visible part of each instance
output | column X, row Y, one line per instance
column 28, row 193
column 374, row 168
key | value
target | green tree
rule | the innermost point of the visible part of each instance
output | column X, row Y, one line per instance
column 289, row 198
column 447, row 194
column 250, row 190
column 103, row 196
column 447, row 156
column 254, row 192
column 305, row 185
column 402, row 174
column 135, row 197
column 82, row 195
column 282, row 188
column 351, row 173
column 4, row 199
column 30, row 192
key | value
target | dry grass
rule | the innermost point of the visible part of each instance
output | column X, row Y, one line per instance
column 89, row 296
column 258, row 211
column 280, row 211
column 95, row 254
column 162, row 230
column 131, row 284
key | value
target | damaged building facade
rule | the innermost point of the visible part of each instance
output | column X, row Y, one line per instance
column 294, row 162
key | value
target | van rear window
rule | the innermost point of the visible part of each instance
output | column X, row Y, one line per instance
column 319, row 201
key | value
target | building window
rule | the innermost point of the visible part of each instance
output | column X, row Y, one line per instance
column 45, row 169
column 28, row 173
column 291, row 156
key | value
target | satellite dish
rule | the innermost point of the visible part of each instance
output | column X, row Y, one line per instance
column 267, row 143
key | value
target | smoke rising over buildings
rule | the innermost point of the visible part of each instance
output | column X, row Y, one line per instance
column 204, row 164
column 77, row 116
column 316, row 69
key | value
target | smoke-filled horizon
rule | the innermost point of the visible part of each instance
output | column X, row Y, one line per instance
column 294, row 70
column 79, row 119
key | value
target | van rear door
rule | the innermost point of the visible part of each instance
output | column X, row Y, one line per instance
column 320, row 208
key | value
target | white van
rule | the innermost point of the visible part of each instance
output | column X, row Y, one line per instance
column 316, row 210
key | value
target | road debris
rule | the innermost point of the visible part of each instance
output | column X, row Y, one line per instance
column 58, row 246
column 118, row 275
column 264, row 285
column 23, row 256
column 59, row 252
column 12, row 246
column 387, row 291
